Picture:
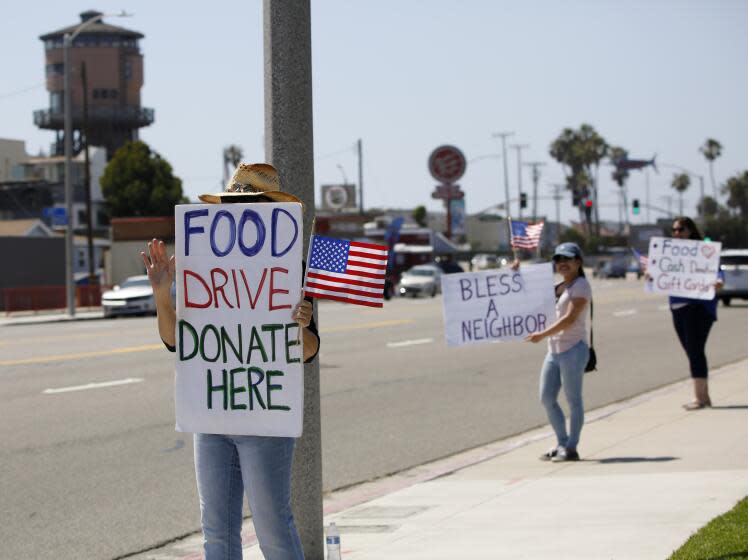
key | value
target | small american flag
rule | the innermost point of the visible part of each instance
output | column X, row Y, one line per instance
column 526, row 236
column 346, row 271
column 643, row 259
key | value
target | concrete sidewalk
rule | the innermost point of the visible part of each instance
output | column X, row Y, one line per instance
column 651, row 474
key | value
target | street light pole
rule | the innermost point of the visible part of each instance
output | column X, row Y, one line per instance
column 535, row 166
column 503, row 136
column 67, row 42
column 557, row 199
column 69, row 284
column 519, row 148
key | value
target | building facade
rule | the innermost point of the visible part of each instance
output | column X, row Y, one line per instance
column 111, row 60
column 35, row 187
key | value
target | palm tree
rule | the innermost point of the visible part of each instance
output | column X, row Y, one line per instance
column 594, row 148
column 232, row 156
column 680, row 182
column 620, row 176
column 711, row 150
column 736, row 190
column 579, row 152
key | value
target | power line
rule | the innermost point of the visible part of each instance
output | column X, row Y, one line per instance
column 333, row 154
column 20, row 91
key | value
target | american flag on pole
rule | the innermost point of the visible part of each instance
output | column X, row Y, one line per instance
column 346, row 271
column 525, row 235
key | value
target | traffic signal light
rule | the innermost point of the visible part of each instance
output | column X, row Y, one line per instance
column 635, row 206
column 588, row 208
column 588, row 203
column 523, row 200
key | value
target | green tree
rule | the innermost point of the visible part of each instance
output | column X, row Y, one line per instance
column 736, row 190
column 711, row 150
column 731, row 230
column 139, row 182
column 579, row 152
column 708, row 207
column 680, row 182
column 419, row 215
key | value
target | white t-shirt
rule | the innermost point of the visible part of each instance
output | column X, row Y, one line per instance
column 564, row 340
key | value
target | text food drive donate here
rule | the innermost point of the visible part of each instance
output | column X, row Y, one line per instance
column 239, row 359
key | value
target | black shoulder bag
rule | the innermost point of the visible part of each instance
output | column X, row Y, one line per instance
column 592, row 360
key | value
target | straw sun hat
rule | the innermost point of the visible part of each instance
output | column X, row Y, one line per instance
column 251, row 180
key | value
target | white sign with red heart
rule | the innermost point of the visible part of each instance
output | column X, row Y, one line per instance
column 683, row 267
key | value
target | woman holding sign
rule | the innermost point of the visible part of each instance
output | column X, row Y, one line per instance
column 228, row 466
column 693, row 319
column 568, row 352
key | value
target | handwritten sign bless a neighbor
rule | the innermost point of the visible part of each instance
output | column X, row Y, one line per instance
column 496, row 305
column 683, row 267
column 238, row 275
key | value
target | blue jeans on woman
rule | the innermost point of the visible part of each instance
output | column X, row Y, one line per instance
column 226, row 466
column 566, row 370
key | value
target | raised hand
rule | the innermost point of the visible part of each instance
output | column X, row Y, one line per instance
column 159, row 267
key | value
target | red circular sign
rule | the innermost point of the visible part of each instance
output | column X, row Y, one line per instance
column 447, row 164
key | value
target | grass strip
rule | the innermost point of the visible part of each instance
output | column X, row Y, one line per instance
column 723, row 538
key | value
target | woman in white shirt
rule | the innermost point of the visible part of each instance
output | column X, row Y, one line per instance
column 568, row 352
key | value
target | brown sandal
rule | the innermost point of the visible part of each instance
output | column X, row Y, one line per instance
column 697, row 405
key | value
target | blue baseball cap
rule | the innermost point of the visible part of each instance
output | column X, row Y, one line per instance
column 568, row 249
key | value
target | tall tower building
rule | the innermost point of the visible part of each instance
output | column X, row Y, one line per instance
column 114, row 72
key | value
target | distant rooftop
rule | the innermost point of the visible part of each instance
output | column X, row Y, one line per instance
column 100, row 28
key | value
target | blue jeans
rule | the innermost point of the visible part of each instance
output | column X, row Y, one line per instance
column 565, row 369
column 225, row 467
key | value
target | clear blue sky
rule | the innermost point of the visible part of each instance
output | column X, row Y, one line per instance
column 405, row 76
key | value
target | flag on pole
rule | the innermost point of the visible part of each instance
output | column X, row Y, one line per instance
column 643, row 259
column 346, row 271
column 525, row 235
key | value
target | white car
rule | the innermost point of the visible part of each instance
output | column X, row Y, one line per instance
column 134, row 296
column 422, row 279
column 734, row 265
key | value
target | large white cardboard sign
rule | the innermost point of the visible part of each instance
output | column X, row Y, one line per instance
column 239, row 363
column 495, row 305
column 683, row 267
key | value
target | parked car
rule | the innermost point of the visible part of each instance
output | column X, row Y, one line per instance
column 613, row 268
column 485, row 261
column 734, row 265
column 134, row 296
column 422, row 279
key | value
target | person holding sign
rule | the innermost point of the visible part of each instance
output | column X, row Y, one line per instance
column 568, row 352
column 693, row 319
column 228, row 465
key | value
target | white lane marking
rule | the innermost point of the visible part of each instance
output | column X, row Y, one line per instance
column 409, row 342
column 88, row 386
column 625, row 312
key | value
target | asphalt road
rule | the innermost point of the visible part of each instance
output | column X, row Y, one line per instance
column 99, row 472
